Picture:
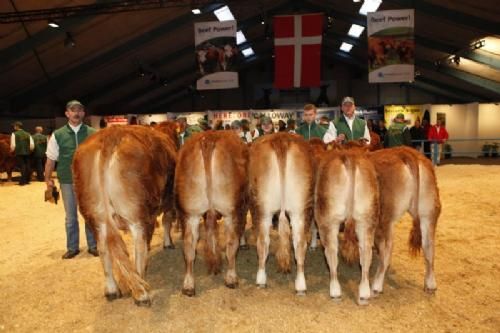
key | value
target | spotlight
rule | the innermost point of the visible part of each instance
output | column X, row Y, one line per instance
column 196, row 11
column 53, row 24
column 69, row 41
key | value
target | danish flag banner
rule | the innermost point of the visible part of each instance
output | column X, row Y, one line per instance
column 297, row 49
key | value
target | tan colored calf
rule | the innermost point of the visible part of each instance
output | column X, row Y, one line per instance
column 281, row 181
column 211, row 179
column 123, row 179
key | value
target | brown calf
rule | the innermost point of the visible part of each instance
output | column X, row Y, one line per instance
column 123, row 179
column 281, row 181
column 211, row 178
column 346, row 190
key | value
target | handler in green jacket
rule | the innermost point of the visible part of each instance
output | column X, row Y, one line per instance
column 309, row 129
column 61, row 148
column 398, row 134
column 348, row 127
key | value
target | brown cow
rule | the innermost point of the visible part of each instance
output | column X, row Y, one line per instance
column 346, row 190
column 281, row 181
column 123, row 179
column 211, row 178
column 7, row 158
column 407, row 184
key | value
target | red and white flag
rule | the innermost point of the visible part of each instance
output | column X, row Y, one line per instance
column 297, row 49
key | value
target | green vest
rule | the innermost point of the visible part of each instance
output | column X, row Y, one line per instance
column 358, row 128
column 40, row 141
column 22, row 142
column 397, row 135
column 311, row 131
column 68, row 142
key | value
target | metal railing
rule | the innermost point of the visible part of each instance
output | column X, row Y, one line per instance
column 477, row 147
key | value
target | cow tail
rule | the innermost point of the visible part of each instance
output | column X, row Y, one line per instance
column 349, row 248
column 211, row 251
column 128, row 278
column 283, row 254
column 415, row 238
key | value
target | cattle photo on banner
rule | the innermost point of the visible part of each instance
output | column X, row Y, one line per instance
column 297, row 49
column 216, row 55
column 391, row 46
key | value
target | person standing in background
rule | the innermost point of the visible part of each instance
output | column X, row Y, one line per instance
column 40, row 141
column 21, row 143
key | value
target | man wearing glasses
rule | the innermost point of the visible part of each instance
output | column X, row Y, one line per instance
column 61, row 148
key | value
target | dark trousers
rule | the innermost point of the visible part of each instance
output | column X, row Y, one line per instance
column 40, row 167
column 23, row 162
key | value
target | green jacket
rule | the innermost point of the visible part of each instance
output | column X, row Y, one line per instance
column 22, row 142
column 40, row 141
column 190, row 130
column 398, row 134
column 358, row 128
column 311, row 131
column 68, row 142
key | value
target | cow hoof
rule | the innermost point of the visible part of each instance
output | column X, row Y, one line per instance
column 262, row 286
column 232, row 285
column 363, row 301
column 300, row 293
column 169, row 247
column 376, row 293
column 188, row 292
column 143, row 302
column 244, row 247
column 430, row 291
column 112, row 296
column 336, row 299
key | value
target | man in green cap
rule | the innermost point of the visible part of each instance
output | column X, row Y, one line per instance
column 266, row 127
column 21, row 143
column 309, row 129
column 61, row 148
column 185, row 131
column 347, row 127
column 40, row 141
column 398, row 134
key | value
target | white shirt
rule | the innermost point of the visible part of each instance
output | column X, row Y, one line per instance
column 13, row 143
column 247, row 136
column 331, row 133
column 53, row 147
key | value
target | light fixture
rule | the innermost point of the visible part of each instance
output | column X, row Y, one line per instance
column 356, row 30
column 346, row 47
column 456, row 60
column 369, row 6
column 53, row 24
column 69, row 41
column 248, row 52
column 478, row 44
column 329, row 21
column 196, row 11
column 356, row 0
column 224, row 14
column 240, row 37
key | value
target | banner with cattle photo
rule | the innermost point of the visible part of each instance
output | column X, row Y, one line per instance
column 391, row 46
column 216, row 55
column 410, row 112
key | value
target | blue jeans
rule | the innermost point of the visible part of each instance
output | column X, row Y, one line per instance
column 72, row 228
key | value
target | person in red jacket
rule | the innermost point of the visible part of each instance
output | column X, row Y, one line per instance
column 438, row 134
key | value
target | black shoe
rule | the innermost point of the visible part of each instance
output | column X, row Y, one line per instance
column 93, row 252
column 70, row 254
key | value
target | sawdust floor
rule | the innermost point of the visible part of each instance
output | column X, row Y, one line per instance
column 39, row 292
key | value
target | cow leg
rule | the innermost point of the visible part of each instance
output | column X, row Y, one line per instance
column 111, row 290
column 167, row 220
column 140, row 237
column 243, row 242
column 263, row 240
column 232, row 242
column 297, row 222
column 384, row 245
column 314, row 236
column 191, row 226
column 365, row 241
column 428, row 229
column 329, row 234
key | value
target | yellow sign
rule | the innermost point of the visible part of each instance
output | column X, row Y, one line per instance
column 411, row 113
